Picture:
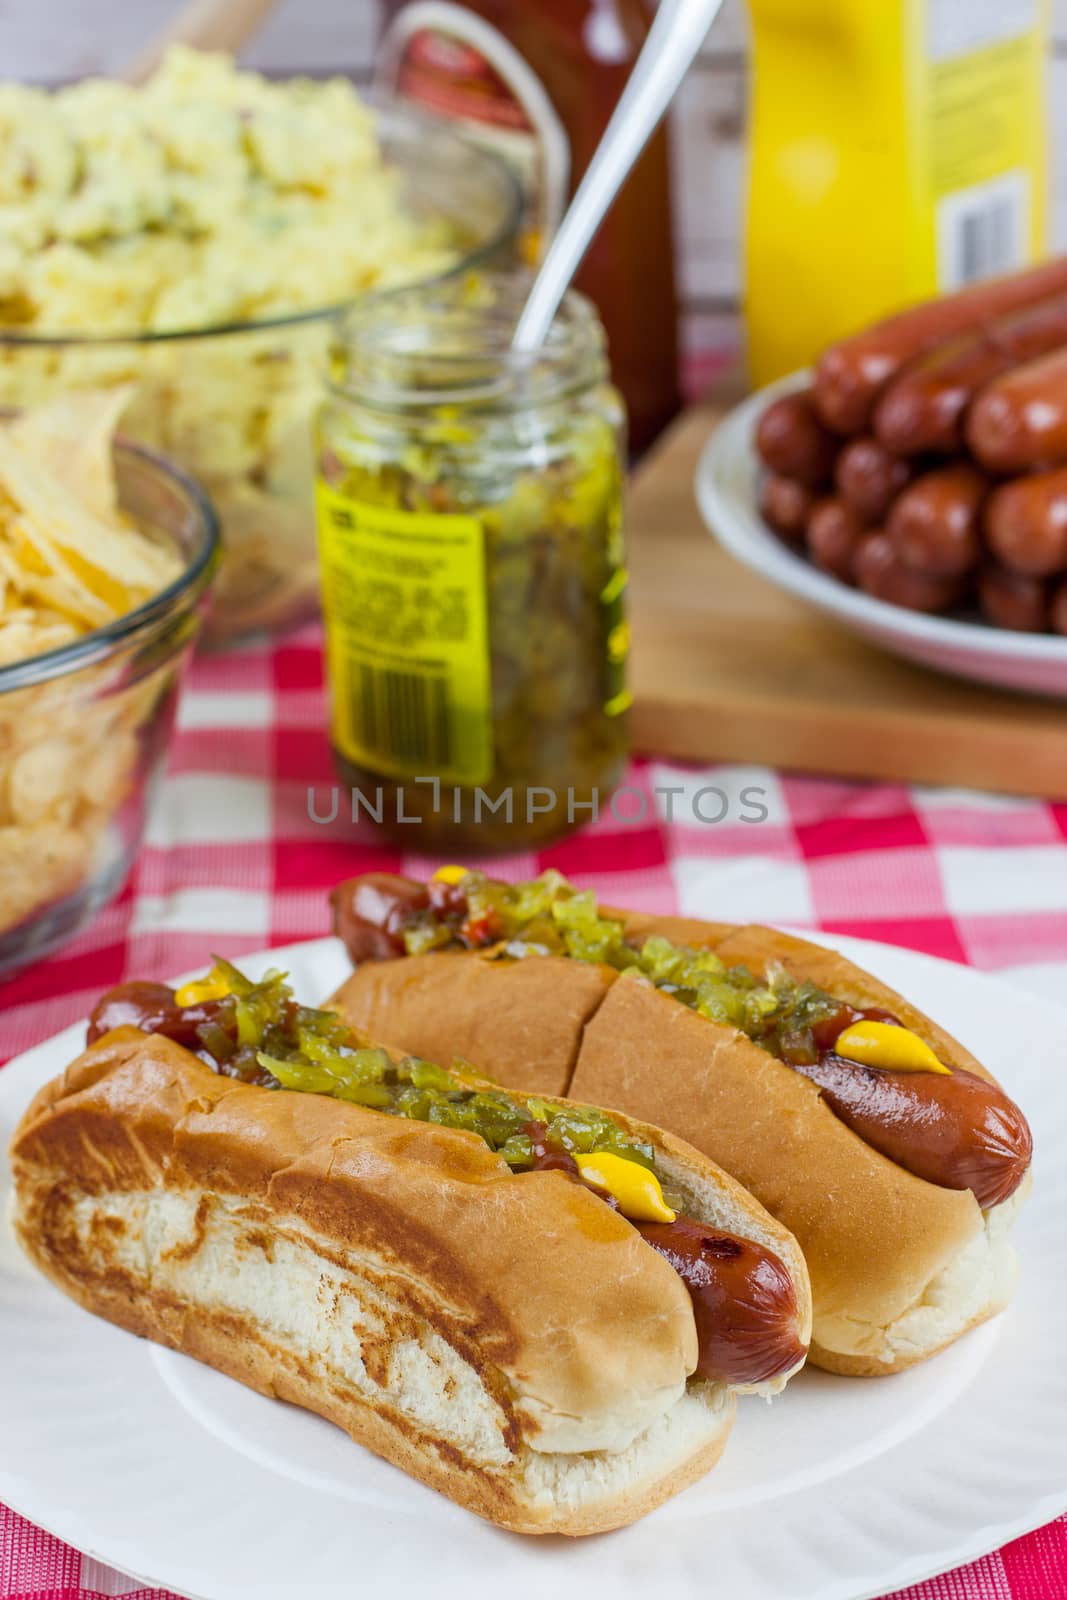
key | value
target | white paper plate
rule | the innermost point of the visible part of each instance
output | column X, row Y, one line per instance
column 839, row 1489
column 726, row 485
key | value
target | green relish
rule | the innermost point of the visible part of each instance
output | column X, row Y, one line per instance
column 548, row 916
column 298, row 1048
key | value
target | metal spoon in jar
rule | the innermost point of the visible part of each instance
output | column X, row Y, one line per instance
column 676, row 35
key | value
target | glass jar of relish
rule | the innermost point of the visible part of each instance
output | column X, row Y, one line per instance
column 470, row 535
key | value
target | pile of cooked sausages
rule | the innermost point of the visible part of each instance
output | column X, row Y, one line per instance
column 927, row 462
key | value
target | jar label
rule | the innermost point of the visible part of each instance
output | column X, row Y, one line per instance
column 407, row 639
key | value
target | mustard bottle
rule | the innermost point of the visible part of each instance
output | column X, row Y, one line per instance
column 897, row 150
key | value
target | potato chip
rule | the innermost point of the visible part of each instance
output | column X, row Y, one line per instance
column 104, row 778
column 39, row 863
column 72, row 436
column 70, row 561
column 67, row 555
column 43, row 782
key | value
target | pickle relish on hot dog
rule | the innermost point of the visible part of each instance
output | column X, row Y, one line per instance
column 256, row 1032
column 743, row 1299
column 465, row 910
column 885, row 1147
column 944, row 1124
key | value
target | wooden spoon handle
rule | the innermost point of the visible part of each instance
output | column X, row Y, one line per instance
column 205, row 25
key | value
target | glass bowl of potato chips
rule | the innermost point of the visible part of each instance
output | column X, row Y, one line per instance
column 107, row 555
column 194, row 237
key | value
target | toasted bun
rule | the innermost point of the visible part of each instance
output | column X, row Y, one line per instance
column 443, row 1013
column 465, row 1323
column 899, row 1267
column 883, row 1247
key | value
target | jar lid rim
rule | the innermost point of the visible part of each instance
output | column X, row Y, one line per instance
column 449, row 343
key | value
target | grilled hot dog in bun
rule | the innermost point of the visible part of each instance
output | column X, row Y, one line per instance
column 541, row 1310
column 884, row 1146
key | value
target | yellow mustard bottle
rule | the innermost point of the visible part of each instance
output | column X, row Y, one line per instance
column 898, row 149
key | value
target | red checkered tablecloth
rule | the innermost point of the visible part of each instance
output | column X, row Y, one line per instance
column 234, row 861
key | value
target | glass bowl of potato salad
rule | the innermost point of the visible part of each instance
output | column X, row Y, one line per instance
column 107, row 554
column 191, row 240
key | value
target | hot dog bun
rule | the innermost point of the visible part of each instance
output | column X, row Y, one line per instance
column 508, row 1340
column 535, row 1050
column 900, row 1267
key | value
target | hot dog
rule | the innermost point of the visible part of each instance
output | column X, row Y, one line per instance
column 1026, row 524
column 923, row 409
column 1058, row 608
column 793, row 443
column 1013, row 600
column 505, row 1295
column 785, row 505
column 1020, row 421
column 869, row 478
column 879, row 570
column 943, row 1129
column 851, row 375
column 835, row 532
column 887, row 1149
column 935, row 525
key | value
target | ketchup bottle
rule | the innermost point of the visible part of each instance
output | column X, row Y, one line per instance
column 581, row 52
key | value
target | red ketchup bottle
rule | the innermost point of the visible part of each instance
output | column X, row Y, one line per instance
column 489, row 64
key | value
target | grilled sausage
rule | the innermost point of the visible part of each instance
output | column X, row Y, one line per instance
column 869, row 478
column 834, row 534
column 744, row 1301
column 792, row 441
column 369, row 913
column 880, row 572
column 955, row 1129
column 935, row 525
column 1058, row 608
column 1020, row 421
column 1026, row 524
column 852, row 374
column 1012, row 600
column 923, row 409
column 785, row 505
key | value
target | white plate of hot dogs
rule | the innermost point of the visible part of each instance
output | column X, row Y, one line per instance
column 727, row 485
column 839, row 1489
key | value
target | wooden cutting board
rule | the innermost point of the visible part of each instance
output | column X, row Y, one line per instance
column 726, row 667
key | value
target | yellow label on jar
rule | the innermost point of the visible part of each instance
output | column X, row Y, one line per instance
column 407, row 639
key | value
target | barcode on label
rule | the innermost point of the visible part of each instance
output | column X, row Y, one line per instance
column 400, row 719
column 983, row 231
column 407, row 630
